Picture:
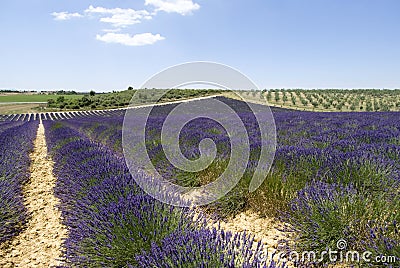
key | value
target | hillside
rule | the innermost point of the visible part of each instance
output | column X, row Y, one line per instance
column 122, row 99
column 328, row 100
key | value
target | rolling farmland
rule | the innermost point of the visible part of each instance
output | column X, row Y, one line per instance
column 335, row 177
column 200, row 134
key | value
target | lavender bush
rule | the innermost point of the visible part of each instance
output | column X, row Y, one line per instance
column 111, row 222
column 16, row 142
column 206, row 248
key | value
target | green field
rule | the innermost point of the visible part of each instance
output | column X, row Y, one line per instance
column 330, row 100
column 123, row 98
column 11, row 103
column 21, row 97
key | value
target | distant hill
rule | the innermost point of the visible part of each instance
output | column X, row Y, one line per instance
column 122, row 98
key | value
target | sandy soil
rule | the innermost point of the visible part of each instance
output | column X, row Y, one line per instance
column 265, row 230
column 39, row 245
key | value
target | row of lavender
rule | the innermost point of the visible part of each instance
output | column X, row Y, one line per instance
column 335, row 176
column 113, row 223
column 16, row 142
column 56, row 115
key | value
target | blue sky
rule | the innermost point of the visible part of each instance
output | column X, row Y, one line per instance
column 108, row 45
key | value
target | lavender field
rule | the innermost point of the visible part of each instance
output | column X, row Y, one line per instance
column 16, row 141
column 335, row 177
column 200, row 134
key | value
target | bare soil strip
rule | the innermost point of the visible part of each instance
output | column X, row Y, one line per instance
column 39, row 245
column 266, row 230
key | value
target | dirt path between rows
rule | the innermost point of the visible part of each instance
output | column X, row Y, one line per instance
column 39, row 245
column 266, row 230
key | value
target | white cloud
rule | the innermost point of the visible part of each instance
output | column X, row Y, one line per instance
column 128, row 40
column 183, row 7
column 120, row 17
column 65, row 15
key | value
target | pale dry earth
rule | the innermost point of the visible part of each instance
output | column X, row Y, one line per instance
column 264, row 229
column 39, row 245
column 267, row 230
